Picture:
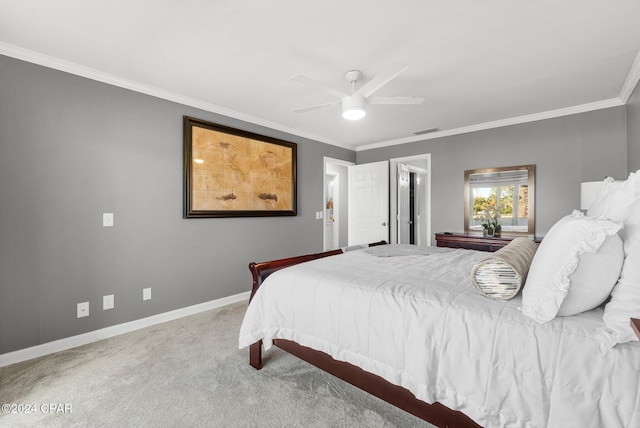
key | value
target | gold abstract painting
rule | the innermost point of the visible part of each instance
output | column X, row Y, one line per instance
column 230, row 172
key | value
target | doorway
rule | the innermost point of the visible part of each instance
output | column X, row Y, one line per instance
column 336, row 205
column 411, row 204
column 336, row 232
column 410, row 188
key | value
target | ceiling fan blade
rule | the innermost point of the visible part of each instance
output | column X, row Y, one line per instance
column 395, row 100
column 317, row 85
column 381, row 79
column 318, row 106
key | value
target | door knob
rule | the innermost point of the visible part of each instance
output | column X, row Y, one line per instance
column 384, row 223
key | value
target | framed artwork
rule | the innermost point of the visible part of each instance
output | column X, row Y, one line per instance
column 233, row 173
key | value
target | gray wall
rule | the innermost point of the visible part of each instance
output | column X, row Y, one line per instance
column 71, row 149
column 633, row 130
column 565, row 150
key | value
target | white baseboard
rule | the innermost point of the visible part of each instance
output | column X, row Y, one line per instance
column 93, row 336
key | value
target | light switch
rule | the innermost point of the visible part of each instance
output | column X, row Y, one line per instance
column 107, row 302
column 107, row 219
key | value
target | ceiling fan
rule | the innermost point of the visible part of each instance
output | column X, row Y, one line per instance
column 353, row 105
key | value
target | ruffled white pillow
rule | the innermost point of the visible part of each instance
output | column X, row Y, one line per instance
column 594, row 278
column 625, row 297
column 565, row 259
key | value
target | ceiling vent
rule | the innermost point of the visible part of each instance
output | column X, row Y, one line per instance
column 426, row 131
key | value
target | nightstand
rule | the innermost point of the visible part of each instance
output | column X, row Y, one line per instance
column 474, row 242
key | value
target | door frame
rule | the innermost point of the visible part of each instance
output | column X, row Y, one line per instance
column 330, row 161
column 393, row 194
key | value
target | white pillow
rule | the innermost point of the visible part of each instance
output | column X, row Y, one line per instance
column 625, row 297
column 613, row 201
column 560, row 255
column 594, row 278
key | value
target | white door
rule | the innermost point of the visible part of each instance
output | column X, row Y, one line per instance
column 368, row 203
column 404, row 196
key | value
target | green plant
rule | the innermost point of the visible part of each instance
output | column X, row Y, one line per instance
column 490, row 219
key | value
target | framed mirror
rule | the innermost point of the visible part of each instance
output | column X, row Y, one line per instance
column 503, row 196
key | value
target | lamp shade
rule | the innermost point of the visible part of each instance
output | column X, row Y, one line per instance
column 589, row 192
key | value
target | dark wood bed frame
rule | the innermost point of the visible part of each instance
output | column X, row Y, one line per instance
column 402, row 398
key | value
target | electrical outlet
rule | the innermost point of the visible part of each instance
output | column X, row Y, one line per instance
column 146, row 294
column 107, row 219
column 83, row 309
column 107, row 302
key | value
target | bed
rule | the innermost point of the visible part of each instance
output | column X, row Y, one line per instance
column 493, row 375
column 407, row 324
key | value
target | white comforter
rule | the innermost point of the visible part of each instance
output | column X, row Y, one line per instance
column 412, row 316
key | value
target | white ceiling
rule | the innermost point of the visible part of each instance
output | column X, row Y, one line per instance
column 478, row 63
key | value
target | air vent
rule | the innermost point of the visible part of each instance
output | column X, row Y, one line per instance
column 426, row 131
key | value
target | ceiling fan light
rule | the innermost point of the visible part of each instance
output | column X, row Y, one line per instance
column 353, row 107
column 353, row 113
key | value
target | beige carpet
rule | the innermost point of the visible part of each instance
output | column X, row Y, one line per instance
column 184, row 373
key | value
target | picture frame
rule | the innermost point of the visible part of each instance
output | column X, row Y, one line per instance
column 229, row 172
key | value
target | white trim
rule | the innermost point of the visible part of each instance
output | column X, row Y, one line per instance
column 613, row 102
column 110, row 79
column 633, row 77
column 104, row 333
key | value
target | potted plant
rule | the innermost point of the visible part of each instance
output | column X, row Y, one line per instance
column 490, row 222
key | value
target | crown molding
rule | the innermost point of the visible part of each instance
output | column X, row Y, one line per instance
column 613, row 102
column 633, row 77
column 90, row 73
column 630, row 84
column 631, row 81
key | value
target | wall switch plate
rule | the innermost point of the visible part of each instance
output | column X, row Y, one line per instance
column 146, row 294
column 107, row 219
column 107, row 302
column 83, row 309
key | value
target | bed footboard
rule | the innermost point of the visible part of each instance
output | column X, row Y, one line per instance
column 260, row 271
